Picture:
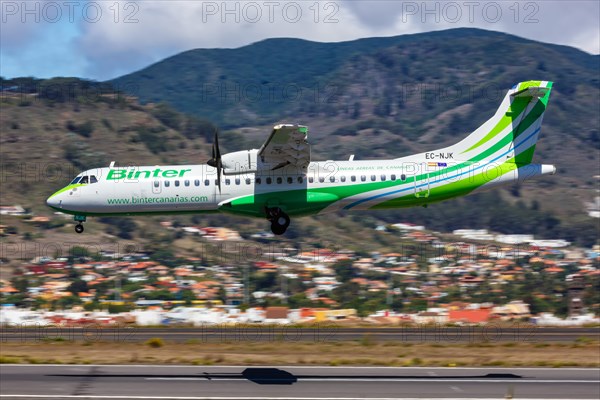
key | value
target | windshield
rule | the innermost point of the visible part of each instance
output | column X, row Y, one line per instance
column 84, row 180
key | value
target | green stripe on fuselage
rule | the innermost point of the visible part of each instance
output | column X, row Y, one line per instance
column 451, row 190
column 68, row 187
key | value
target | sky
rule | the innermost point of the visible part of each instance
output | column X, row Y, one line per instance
column 104, row 39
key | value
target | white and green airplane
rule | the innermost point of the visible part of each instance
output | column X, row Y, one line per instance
column 279, row 180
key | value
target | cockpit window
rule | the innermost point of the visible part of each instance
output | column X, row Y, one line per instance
column 84, row 180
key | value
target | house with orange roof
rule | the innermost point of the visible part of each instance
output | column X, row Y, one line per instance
column 554, row 270
column 363, row 263
column 264, row 266
column 360, row 281
column 474, row 316
column 8, row 290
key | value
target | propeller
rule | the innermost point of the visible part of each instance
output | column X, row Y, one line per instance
column 215, row 161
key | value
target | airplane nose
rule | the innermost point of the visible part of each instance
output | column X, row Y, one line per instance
column 54, row 201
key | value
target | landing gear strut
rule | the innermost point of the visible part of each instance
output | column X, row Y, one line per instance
column 279, row 220
column 79, row 219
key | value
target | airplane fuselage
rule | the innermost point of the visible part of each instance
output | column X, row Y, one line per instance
column 278, row 180
column 326, row 186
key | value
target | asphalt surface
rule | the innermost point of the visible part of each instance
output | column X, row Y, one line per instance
column 263, row 383
column 326, row 332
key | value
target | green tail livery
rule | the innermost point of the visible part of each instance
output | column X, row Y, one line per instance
column 279, row 180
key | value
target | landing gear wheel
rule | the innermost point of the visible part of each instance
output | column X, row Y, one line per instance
column 279, row 220
column 278, row 229
column 78, row 228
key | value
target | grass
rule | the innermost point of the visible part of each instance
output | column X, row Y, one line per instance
column 155, row 343
column 154, row 351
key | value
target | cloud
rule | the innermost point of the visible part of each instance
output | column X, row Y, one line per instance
column 105, row 39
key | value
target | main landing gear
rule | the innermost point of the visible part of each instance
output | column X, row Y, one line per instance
column 80, row 219
column 279, row 220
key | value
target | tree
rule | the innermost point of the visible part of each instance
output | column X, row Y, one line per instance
column 21, row 284
column 299, row 300
column 356, row 110
column 77, row 286
column 344, row 270
column 188, row 296
column 68, row 302
column 167, row 116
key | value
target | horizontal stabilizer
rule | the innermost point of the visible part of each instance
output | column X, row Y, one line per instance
column 532, row 91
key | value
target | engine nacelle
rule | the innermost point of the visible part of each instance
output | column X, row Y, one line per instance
column 240, row 162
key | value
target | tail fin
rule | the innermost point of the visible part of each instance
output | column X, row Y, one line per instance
column 513, row 130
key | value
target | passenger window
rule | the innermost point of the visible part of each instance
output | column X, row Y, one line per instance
column 343, row 178
column 93, row 179
column 197, row 182
column 403, row 177
column 206, row 182
column 177, row 183
column 321, row 179
column 363, row 178
column 248, row 181
column 258, row 181
column 332, row 179
column 279, row 180
column 353, row 178
column 290, row 179
column 311, row 179
column 167, row 183
column 393, row 177
column 228, row 181
column 186, row 182
column 383, row 177
column 237, row 181
column 300, row 180
column 156, row 184
column 84, row 180
column 373, row 177
column 269, row 181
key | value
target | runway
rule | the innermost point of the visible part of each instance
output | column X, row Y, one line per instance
column 326, row 332
column 293, row 383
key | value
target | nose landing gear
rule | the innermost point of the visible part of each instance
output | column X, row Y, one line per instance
column 79, row 219
column 279, row 220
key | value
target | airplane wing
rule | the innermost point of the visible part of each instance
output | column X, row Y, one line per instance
column 287, row 145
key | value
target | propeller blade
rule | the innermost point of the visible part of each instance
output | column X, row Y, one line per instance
column 216, row 154
column 217, row 158
column 219, row 178
column 216, row 144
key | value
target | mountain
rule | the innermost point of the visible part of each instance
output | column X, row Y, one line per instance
column 279, row 78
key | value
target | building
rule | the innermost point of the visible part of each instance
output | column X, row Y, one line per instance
column 575, row 291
